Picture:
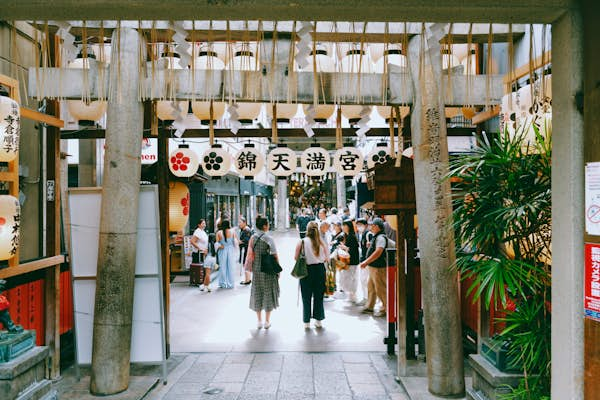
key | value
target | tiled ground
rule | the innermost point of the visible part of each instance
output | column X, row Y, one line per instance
column 288, row 375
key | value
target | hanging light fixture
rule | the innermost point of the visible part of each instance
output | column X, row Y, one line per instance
column 86, row 113
column 471, row 60
column 179, row 206
column 216, row 162
column 379, row 155
column 324, row 63
column 248, row 161
column 394, row 57
column 10, row 126
column 183, row 162
column 166, row 110
column 244, row 59
column 282, row 162
column 315, row 161
column 348, row 161
column 208, row 59
column 285, row 112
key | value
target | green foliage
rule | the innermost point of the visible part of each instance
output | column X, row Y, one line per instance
column 502, row 220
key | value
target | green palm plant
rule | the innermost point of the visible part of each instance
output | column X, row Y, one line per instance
column 502, row 221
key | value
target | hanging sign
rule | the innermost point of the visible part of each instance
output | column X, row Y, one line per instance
column 248, row 161
column 592, row 281
column 282, row 161
column 10, row 126
column 216, row 161
column 592, row 198
column 348, row 161
column 315, row 161
column 379, row 155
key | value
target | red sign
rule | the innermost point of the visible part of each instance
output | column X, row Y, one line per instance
column 592, row 281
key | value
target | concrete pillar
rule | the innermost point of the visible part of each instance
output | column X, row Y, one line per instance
column 118, row 222
column 87, row 162
column 443, row 332
column 341, row 192
column 567, row 209
column 282, row 195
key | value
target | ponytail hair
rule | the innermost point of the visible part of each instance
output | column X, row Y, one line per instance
column 312, row 232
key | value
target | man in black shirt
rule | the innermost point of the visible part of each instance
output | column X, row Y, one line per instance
column 302, row 222
column 245, row 235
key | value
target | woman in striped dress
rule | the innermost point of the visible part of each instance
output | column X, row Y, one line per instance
column 264, row 295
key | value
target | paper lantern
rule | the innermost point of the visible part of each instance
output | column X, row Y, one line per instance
column 348, row 161
column 216, row 162
column 166, row 110
column 282, row 161
column 179, row 206
column 386, row 111
column 525, row 101
column 10, row 128
column 322, row 112
column 379, row 155
column 352, row 113
column 449, row 60
column 357, row 61
column 207, row 59
column 248, row 112
column 315, row 161
column 183, row 162
column 248, row 161
column 86, row 113
column 325, row 63
column 394, row 57
column 285, row 112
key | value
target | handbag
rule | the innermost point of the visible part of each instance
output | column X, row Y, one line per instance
column 268, row 262
column 300, row 268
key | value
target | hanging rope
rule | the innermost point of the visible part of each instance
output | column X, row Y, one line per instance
column 384, row 77
column 400, row 124
column 274, row 133
column 449, row 49
column 211, row 124
column 467, row 108
column 531, row 62
column 338, row 129
column 292, row 93
column 511, row 65
column 102, row 58
column 391, row 129
column 488, row 74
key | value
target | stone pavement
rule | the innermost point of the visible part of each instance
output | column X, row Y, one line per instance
column 282, row 376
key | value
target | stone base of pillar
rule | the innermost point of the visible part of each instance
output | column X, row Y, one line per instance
column 489, row 383
column 24, row 377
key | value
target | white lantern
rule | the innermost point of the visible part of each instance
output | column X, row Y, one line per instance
column 282, row 161
column 386, row 112
column 352, row 113
column 248, row 112
column 85, row 113
column 325, row 63
column 315, row 161
column 208, row 59
column 248, row 161
column 348, row 161
column 216, row 161
column 285, row 112
column 394, row 57
column 525, row 101
column 179, row 206
column 10, row 128
column 449, row 60
column 183, row 162
column 357, row 60
column 166, row 110
column 10, row 220
column 322, row 112
column 379, row 155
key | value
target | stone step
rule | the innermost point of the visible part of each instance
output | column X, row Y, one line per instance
column 37, row 391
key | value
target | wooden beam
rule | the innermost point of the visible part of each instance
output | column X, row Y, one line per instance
column 485, row 115
column 31, row 266
column 523, row 70
column 163, row 201
column 41, row 117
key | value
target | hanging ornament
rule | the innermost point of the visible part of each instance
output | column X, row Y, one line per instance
column 10, row 127
column 85, row 112
column 206, row 62
column 248, row 161
column 183, row 162
column 379, row 155
column 315, row 161
column 348, row 161
column 285, row 112
column 170, row 110
column 216, row 162
column 179, row 206
column 282, row 161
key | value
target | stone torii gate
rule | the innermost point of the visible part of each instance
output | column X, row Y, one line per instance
column 116, row 255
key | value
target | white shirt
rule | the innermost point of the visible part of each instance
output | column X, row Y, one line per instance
column 202, row 240
column 311, row 258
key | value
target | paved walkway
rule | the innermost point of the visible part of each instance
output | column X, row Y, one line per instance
column 285, row 376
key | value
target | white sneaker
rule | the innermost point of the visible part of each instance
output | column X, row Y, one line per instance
column 202, row 288
column 259, row 325
column 208, row 289
column 361, row 302
column 307, row 325
column 318, row 324
column 267, row 325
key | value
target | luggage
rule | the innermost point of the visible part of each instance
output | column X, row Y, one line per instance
column 196, row 274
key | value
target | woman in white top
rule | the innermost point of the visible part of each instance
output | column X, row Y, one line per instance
column 313, row 285
column 200, row 250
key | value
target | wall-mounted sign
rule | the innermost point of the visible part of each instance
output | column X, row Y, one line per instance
column 592, row 198
column 591, row 289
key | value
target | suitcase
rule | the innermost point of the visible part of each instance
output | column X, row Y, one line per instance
column 196, row 274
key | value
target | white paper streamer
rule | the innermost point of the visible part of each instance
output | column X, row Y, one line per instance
column 178, row 123
column 309, row 120
column 234, row 123
column 181, row 46
column 69, row 48
column 365, row 117
column 304, row 44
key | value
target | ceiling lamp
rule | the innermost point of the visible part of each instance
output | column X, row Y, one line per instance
column 356, row 60
column 386, row 112
column 315, row 161
column 285, row 112
column 282, row 161
column 324, row 63
column 208, row 59
column 183, row 162
column 397, row 58
column 379, row 155
column 179, row 206
column 244, row 59
column 166, row 110
column 248, row 112
column 10, row 127
column 216, row 162
column 348, row 162
column 88, row 112
column 249, row 162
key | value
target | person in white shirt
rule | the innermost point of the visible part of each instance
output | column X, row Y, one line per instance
column 313, row 285
column 200, row 250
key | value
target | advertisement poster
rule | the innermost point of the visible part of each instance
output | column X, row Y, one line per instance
column 592, row 281
column 592, row 198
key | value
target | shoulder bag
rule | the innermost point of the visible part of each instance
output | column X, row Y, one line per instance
column 268, row 262
column 300, row 268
